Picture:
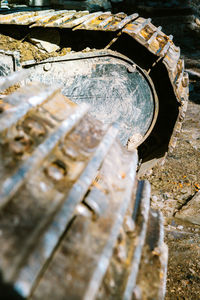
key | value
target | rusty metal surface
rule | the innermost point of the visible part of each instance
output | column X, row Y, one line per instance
column 119, row 281
column 73, row 194
column 143, row 217
column 85, row 269
column 21, row 102
column 77, row 197
column 121, row 26
column 107, row 22
column 49, row 171
column 10, row 186
column 69, row 19
column 46, row 245
column 151, row 279
column 139, row 261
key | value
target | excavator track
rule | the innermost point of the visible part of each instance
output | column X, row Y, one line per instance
column 136, row 40
column 75, row 221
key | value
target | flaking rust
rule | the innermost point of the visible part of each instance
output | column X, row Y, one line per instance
column 72, row 195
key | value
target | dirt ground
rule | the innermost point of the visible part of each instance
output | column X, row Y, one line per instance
column 173, row 185
column 28, row 51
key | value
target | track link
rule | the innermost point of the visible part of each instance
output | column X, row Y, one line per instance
column 74, row 217
column 138, row 39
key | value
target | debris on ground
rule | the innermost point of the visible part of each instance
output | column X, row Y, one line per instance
column 176, row 184
column 175, row 191
column 29, row 51
column 191, row 211
column 183, row 279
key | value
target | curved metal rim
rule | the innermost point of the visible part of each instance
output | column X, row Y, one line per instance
column 156, row 106
column 115, row 54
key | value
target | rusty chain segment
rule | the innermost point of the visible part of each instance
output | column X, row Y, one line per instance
column 72, row 209
column 140, row 29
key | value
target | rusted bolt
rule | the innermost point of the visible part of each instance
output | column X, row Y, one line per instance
column 56, row 170
column 83, row 210
column 20, row 144
column 185, row 81
column 47, row 67
column 131, row 69
column 34, row 128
